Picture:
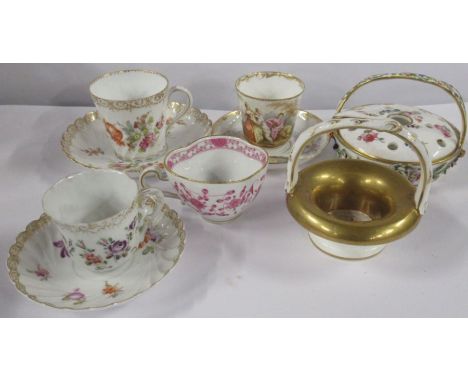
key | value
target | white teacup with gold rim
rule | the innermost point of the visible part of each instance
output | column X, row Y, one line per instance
column 219, row 176
column 101, row 216
column 269, row 102
column 132, row 105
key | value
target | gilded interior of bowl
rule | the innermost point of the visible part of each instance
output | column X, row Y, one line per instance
column 354, row 202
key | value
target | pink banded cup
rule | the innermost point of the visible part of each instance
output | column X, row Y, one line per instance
column 218, row 176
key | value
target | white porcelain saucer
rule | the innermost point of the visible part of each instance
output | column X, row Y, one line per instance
column 85, row 141
column 42, row 271
column 231, row 124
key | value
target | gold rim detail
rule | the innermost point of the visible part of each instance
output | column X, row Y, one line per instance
column 288, row 76
column 36, row 225
column 133, row 103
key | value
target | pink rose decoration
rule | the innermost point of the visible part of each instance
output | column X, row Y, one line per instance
column 275, row 125
column 369, row 137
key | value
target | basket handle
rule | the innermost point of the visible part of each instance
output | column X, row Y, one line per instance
column 454, row 93
column 351, row 119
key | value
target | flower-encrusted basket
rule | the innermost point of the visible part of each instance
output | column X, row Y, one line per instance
column 443, row 141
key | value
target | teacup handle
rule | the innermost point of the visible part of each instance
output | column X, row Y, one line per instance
column 352, row 119
column 158, row 175
column 184, row 106
column 151, row 201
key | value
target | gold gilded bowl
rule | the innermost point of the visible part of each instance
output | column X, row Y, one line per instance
column 352, row 208
column 354, row 202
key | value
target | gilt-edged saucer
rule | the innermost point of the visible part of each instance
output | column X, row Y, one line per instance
column 41, row 268
column 86, row 143
column 231, row 124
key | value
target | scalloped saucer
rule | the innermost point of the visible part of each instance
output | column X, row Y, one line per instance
column 44, row 273
column 231, row 124
column 85, row 141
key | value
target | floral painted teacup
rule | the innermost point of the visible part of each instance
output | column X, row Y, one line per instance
column 133, row 105
column 269, row 102
column 219, row 176
column 102, row 218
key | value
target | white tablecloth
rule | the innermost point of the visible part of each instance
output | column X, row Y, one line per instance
column 261, row 264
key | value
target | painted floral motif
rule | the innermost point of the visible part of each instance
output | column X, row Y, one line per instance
column 442, row 128
column 114, row 133
column 63, row 249
column 42, row 273
column 218, row 205
column 111, row 290
column 216, row 143
column 133, row 224
column 76, row 296
column 93, row 151
column 270, row 129
column 114, row 249
column 389, row 111
column 89, row 257
column 340, row 151
column 370, row 136
column 415, row 116
column 443, row 168
column 150, row 239
column 140, row 135
column 412, row 172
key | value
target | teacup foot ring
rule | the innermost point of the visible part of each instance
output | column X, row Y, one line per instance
column 221, row 221
column 345, row 251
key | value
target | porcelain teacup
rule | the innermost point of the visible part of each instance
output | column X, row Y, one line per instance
column 133, row 105
column 218, row 176
column 269, row 103
column 102, row 216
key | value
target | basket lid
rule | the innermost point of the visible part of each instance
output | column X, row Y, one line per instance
column 438, row 135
